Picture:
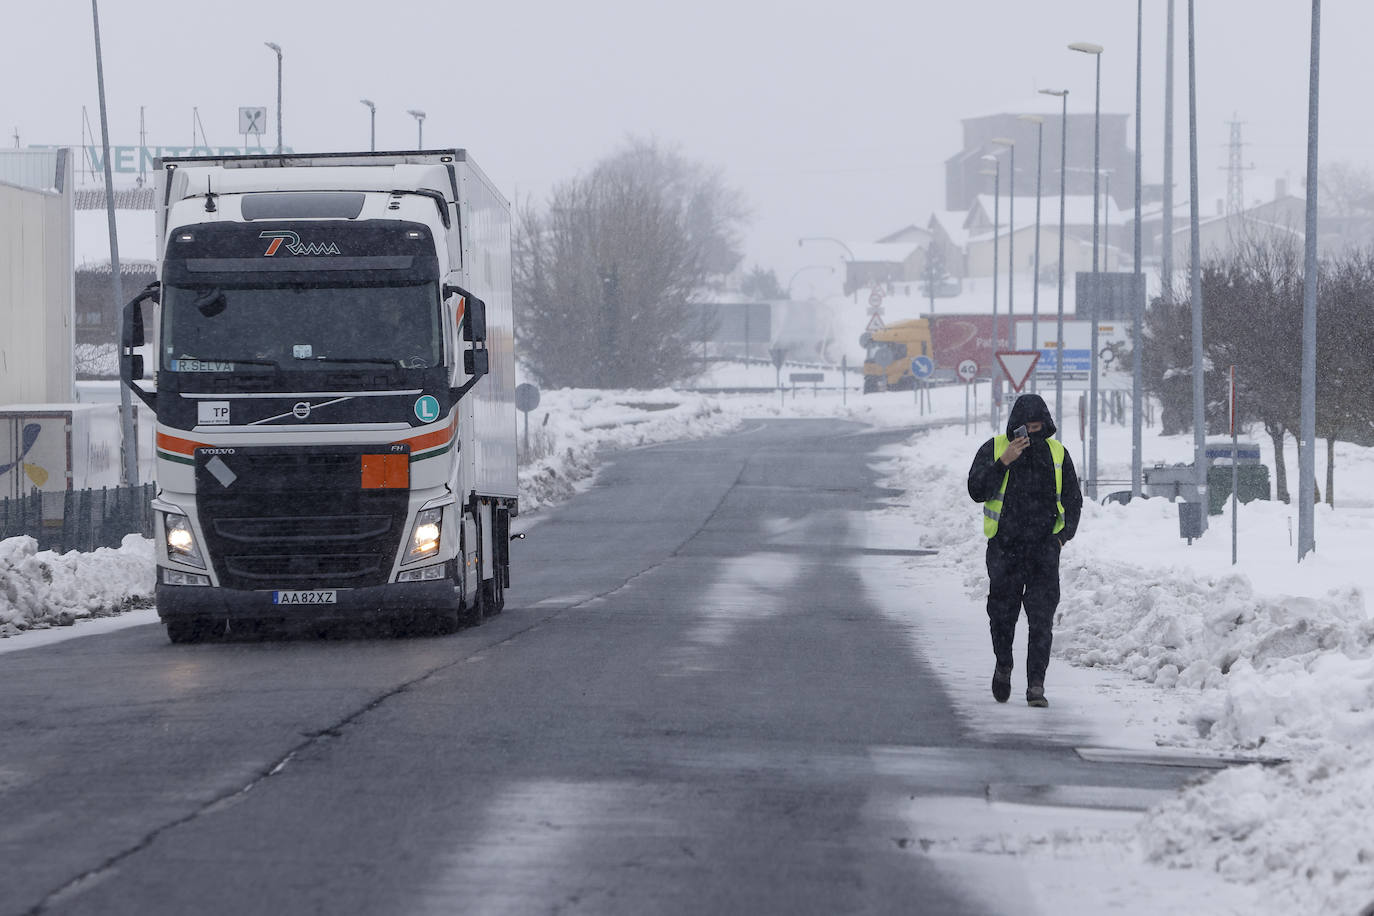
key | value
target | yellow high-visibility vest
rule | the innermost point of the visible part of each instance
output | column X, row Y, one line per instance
column 992, row 509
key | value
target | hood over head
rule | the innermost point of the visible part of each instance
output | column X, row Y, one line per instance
column 1027, row 409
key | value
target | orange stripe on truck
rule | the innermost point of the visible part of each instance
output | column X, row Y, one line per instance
column 430, row 440
column 179, row 446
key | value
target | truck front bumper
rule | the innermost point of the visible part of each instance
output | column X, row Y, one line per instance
column 352, row 605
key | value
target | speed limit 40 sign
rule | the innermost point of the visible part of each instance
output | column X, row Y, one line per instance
column 968, row 370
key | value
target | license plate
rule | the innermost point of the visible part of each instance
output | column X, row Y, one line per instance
column 323, row 596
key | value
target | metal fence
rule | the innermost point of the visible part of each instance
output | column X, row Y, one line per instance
column 79, row 519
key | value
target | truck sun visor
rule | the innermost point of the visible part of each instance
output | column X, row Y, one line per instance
column 303, row 205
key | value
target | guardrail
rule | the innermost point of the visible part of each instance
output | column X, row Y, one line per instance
column 79, row 519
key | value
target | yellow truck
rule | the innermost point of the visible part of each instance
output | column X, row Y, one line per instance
column 890, row 349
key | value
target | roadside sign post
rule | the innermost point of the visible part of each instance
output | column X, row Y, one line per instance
column 778, row 354
column 526, row 399
column 1235, row 468
column 252, row 120
column 815, row 378
column 922, row 367
column 1017, row 366
column 844, row 380
column 968, row 371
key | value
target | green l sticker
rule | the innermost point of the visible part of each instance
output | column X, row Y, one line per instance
column 427, row 409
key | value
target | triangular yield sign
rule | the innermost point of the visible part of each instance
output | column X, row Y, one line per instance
column 1017, row 365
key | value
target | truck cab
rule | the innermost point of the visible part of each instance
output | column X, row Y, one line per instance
column 889, row 351
column 330, row 351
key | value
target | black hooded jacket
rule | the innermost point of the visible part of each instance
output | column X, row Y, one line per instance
column 1028, row 509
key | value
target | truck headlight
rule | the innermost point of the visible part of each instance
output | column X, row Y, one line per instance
column 181, row 540
column 424, row 537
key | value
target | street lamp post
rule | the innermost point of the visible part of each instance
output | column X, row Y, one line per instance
column 801, row 270
column 419, row 117
column 277, row 48
column 1096, row 51
column 372, row 109
column 1166, row 252
column 1195, row 283
column 1137, row 305
column 1039, row 123
column 1010, row 144
column 847, row 250
column 1063, row 95
column 128, row 451
column 996, row 173
column 1307, row 461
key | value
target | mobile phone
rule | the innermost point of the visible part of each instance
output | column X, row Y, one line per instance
column 1020, row 432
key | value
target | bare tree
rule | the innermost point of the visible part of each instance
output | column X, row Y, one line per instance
column 607, row 279
column 1253, row 321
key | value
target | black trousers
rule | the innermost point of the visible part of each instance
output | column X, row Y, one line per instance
column 1023, row 573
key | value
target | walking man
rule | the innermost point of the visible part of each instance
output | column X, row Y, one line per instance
column 1031, row 504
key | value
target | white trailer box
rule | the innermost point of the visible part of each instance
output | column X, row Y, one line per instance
column 57, row 447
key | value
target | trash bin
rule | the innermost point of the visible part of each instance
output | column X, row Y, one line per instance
column 1252, row 483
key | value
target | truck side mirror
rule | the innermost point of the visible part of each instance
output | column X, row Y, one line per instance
column 475, row 320
column 474, row 313
column 476, row 362
column 132, row 336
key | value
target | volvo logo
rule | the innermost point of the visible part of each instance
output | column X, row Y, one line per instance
column 301, row 410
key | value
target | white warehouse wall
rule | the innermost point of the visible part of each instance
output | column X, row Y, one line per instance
column 37, row 282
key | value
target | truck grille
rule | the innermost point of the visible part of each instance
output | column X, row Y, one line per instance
column 297, row 519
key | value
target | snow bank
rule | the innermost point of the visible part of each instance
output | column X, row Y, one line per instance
column 44, row 588
column 1287, row 670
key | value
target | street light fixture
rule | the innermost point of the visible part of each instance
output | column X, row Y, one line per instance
column 801, row 270
column 996, row 173
column 1063, row 95
column 1096, row 51
column 128, row 451
column 1010, row 144
column 1039, row 123
column 1137, row 303
column 1307, row 420
column 372, row 107
column 419, row 117
column 277, row 48
column 847, row 250
column 1195, row 288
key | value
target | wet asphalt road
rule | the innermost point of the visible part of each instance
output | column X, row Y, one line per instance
column 687, row 707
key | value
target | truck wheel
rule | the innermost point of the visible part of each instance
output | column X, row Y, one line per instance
column 493, row 596
column 426, row 622
column 870, row 384
column 182, row 630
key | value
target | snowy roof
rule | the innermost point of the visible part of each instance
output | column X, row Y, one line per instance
column 883, row 253
column 1078, row 209
column 952, row 223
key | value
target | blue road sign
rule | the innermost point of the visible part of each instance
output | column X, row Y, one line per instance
column 1074, row 361
column 922, row 367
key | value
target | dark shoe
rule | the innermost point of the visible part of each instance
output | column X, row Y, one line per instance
column 1001, row 684
column 1035, row 695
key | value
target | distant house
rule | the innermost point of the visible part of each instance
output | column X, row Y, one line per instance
column 883, row 262
column 1114, row 231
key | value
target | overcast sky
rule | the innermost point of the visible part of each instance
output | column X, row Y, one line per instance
column 834, row 119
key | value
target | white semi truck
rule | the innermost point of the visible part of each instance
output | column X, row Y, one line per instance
column 330, row 340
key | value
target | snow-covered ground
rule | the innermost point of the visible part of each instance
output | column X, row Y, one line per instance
column 1158, row 644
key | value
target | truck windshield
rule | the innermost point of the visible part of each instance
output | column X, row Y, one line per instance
column 885, row 354
column 232, row 329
